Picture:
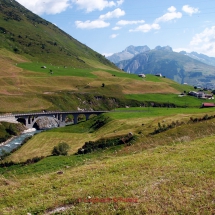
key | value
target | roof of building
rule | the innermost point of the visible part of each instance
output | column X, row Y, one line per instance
column 208, row 104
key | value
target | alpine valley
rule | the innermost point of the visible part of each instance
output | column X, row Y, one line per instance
column 120, row 143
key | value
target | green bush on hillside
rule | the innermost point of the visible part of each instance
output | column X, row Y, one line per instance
column 60, row 149
column 91, row 146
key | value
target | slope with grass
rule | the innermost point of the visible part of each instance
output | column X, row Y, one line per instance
column 25, row 86
column 28, row 34
column 168, row 169
column 168, row 173
column 140, row 121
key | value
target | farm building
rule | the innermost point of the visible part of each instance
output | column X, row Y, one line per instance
column 142, row 75
column 201, row 95
column 207, row 105
column 158, row 74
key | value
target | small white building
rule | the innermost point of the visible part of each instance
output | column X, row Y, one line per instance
column 142, row 75
column 158, row 74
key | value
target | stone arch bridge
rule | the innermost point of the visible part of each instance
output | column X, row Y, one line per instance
column 29, row 119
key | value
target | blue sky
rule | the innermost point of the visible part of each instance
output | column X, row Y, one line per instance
column 109, row 26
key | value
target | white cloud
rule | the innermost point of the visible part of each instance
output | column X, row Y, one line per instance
column 57, row 6
column 190, row 10
column 114, row 36
column 113, row 14
column 126, row 22
column 146, row 28
column 182, row 49
column 91, row 5
column 171, row 15
column 203, row 42
column 171, row 9
column 207, row 36
column 107, row 54
column 120, row 2
column 116, row 28
column 45, row 6
column 91, row 24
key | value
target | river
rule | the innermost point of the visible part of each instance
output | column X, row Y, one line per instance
column 17, row 141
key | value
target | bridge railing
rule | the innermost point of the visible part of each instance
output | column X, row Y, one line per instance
column 51, row 113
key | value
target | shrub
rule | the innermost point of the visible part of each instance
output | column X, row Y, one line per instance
column 106, row 143
column 60, row 149
column 162, row 128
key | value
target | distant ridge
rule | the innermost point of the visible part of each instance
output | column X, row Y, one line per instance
column 128, row 53
column 201, row 57
column 131, row 51
column 179, row 67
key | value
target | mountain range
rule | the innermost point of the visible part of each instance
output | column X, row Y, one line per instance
column 191, row 68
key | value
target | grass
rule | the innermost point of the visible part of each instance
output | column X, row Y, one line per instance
column 170, row 179
column 48, row 165
column 153, row 112
column 168, row 173
column 37, row 39
column 57, row 70
column 185, row 101
column 120, row 122
column 31, row 81
column 69, row 85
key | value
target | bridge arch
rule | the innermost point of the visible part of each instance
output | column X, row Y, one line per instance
column 78, row 116
column 21, row 120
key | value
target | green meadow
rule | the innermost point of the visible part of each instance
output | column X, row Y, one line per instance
column 167, row 168
column 57, row 70
column 185, row 101
column 171, row 172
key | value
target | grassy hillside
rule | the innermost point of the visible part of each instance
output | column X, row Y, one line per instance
column 140, row 121
column 167, row 173
column 168, row 168
column 25, row 86
column 25, row 33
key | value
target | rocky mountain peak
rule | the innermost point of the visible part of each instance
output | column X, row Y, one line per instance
column 164, row 48
column 137, row 49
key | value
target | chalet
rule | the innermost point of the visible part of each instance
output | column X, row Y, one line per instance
column 209, row 96
column 201, row 95
column 193, row 93
column 207, row 105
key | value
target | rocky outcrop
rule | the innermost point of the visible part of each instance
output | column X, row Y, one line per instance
column 46, row 123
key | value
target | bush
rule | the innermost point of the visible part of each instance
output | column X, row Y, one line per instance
column 60, row 149
column 104, row 143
